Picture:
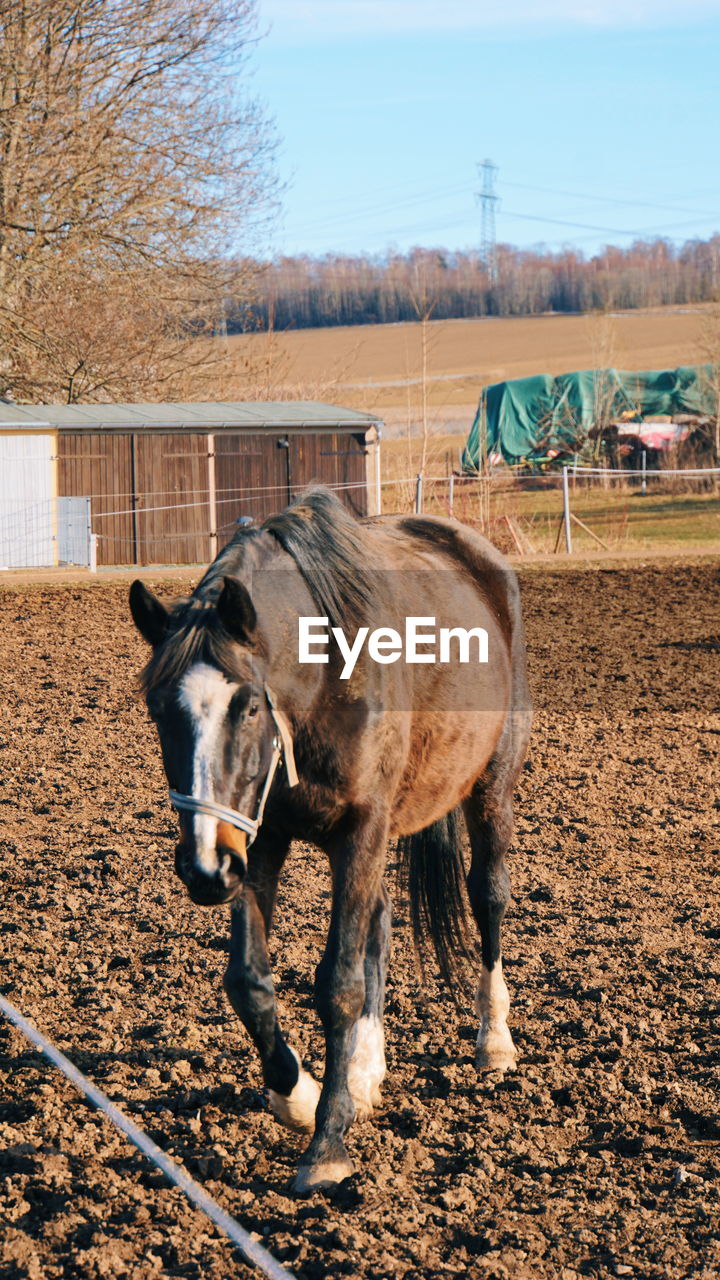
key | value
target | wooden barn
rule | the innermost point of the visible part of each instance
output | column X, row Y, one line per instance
column 167, row 483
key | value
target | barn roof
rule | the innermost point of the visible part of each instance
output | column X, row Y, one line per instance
column 247, row 415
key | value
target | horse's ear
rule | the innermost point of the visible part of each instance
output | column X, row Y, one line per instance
column 149, row 614
column 237, row 611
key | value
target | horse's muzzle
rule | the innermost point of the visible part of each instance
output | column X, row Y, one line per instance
column 211, row 889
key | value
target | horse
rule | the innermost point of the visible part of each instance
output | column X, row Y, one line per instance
column 261, row 748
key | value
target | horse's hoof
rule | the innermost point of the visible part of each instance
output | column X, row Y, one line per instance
column 495, row 1061
column 366, row 1102
column 322, row 1177
column 495, row 1051
column 297, row 1110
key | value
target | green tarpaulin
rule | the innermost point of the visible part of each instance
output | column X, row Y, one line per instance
column 527, row 418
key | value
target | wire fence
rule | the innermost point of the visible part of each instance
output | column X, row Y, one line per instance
column 53, row 531
column 523, row 515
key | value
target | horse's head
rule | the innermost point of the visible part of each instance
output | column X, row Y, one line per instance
column 205, row 691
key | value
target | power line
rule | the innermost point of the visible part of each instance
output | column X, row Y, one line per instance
column 489, row 202
column 421, row 197
column 615, row 231
column 363, row 211
column 596, row 199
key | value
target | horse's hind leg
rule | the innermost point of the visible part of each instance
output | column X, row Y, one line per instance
column 366, row 1068
column 488, row 812
column 293, row 1093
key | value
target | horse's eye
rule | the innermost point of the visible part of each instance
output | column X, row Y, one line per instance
column 252, row 710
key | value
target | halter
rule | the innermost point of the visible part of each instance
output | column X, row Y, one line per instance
column 282, row 748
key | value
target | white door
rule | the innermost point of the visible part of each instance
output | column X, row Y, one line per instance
column 28, row 534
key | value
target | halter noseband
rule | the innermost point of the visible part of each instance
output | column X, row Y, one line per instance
column 282, row 748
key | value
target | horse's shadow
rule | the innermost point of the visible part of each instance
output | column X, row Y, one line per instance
column 703, row 644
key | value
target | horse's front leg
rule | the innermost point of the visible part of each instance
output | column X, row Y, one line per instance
column 366, row 1070
column 292, row 1091
column 340, row 992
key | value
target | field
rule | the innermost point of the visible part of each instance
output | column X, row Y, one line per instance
column 620, row 519
column 598, row 1158
column 673, row 513
column 379, row 368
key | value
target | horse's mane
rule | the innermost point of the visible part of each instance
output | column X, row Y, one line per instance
column 330, row 549
column 328, row 546
column 196, row 634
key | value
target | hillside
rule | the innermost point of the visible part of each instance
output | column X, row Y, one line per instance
column 379, row 367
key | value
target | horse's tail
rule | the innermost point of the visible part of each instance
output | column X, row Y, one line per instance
column 433, row 867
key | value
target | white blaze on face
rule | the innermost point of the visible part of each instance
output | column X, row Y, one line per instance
column 205, row 695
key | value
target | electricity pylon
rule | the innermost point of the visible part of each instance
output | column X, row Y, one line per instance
column 488, row 201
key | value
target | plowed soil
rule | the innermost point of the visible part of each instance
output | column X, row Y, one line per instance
column 381, row 367
column 599, row 1157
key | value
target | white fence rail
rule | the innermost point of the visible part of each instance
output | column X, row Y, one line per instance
column 66, row 531
column 251, row 1251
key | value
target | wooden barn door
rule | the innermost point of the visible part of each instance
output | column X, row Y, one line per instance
column 333, row 458
column 172, row 513
column 250, row 479
column 95, row 466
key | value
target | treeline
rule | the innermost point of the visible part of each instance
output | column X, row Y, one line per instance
column 305, row 292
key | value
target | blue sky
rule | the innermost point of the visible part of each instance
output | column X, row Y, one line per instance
column 603, row 118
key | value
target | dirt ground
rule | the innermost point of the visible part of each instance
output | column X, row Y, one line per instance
column 599, row 1157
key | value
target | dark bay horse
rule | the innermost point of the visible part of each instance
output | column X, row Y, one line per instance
column 299, row 695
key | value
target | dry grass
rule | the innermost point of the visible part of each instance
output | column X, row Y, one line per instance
column 620, row 517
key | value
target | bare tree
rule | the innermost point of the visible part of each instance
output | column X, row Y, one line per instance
column 424, row 305
column 604, row 386
column 132, row 171
column 709, row 346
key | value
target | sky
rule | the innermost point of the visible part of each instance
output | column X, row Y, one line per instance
column 602, row 117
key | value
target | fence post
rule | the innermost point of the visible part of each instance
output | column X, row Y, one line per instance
column 451, row 494
column 566, row 512
column 643, row 486
column 92, row 557
column 418, row 493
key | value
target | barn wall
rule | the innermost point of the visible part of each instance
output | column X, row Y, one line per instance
column 149, row 494
column 150, row 490
column 279, row 467
column 245, row 462
column 333, row 458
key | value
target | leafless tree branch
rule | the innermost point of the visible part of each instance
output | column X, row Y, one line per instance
column 134, row 173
